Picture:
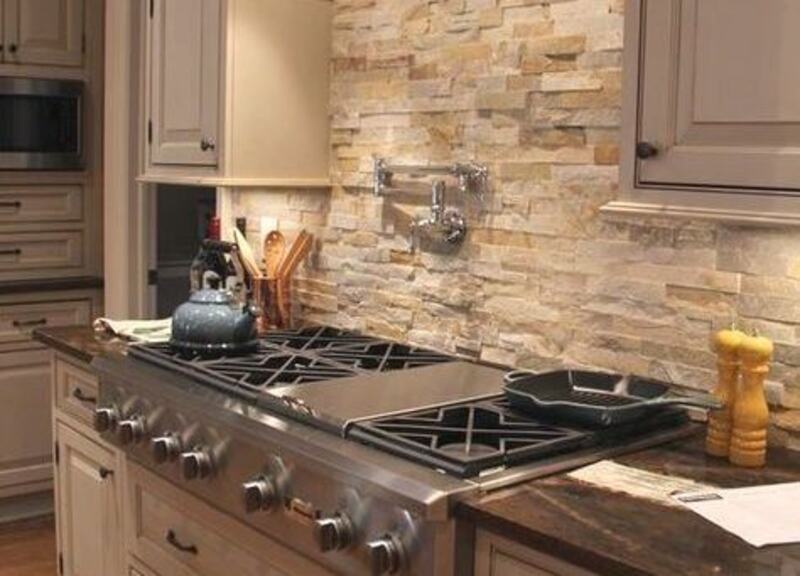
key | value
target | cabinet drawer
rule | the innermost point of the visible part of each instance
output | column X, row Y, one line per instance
column 40, row 204
column 18, row 320
column 30, row 251
column 76, row 390
column 179, row 535
column 497, row 556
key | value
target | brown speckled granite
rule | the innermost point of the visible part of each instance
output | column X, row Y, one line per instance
column 613, row 533
column 80, row 342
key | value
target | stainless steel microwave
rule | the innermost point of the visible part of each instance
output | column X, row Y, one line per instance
column 41, row 124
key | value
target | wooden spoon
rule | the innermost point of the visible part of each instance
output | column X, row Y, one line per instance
column 299, row 250
column 274, row 246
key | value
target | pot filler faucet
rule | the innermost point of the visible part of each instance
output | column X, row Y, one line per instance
column 443, row 224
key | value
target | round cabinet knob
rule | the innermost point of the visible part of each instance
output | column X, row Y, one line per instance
column 385, row 556
column 334, row 533
column 259, row 495
column 645, row 150
column 196, row 464
column 131, row 431
column 207, row 144
column 165, row 448
column 105, row 419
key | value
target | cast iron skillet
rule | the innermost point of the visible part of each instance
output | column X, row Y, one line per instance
column 593, row 398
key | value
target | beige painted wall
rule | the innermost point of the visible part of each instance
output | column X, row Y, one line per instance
column 533, row 90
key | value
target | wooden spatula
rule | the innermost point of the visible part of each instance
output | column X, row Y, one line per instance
column 274, row 247
column 246, row 252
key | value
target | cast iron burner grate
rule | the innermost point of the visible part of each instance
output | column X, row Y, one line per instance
column 384, row 356
column 477, row 437
column 317, row 338
column 245, row 375
column 313, row 354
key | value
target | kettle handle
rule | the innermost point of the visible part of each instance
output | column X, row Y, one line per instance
column 253, row 310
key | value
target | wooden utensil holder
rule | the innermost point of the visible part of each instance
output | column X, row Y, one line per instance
column 273, row 296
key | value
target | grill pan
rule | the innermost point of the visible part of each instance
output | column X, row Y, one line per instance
column 594, row 398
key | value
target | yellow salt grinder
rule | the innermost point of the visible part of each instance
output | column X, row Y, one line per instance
column 750, row 412
column 720, row 422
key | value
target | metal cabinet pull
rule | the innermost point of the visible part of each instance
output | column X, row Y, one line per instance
column 16, row 204
column 104, row 472
column 207, row 144
column 80, row 396
column 12, row 48
column 29, row 323
column 11, row 252
column 173, row 541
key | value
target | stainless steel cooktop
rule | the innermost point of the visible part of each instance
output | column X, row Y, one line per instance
column 419, row 404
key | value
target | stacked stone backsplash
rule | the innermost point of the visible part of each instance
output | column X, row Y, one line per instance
column 532, row 89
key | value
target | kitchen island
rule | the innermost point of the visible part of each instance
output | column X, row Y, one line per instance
column 578, row 528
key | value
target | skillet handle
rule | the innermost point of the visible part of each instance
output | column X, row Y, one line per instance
column 707, row 402
column 514, row 375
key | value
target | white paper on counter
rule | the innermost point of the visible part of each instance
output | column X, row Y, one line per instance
column 759, row 515
column 636, row 482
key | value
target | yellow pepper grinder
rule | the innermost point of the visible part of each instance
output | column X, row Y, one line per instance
column 750, row 412
column 720, row 422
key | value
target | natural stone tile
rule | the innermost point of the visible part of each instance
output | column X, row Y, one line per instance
column 532, row 88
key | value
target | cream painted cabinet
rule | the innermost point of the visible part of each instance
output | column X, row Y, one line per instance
column 87, row 501
column 185, row 82
column 719, row 94
column 175, row 534
column 47, row 32
column 496, row 556
column 237, row 92
column 26, row 445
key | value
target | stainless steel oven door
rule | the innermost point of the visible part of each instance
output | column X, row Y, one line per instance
column 41, row 124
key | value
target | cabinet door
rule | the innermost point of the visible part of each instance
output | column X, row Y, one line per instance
column 86, row 506
column 184, row 81
column 26, row 445
column 720, row 93
column 44, row 32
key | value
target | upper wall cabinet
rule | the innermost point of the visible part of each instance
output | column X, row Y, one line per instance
column 236, row 92
column 45, row 32
column 712, row 105
column 185, row 82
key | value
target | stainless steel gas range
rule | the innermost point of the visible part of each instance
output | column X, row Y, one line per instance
column 348, row 449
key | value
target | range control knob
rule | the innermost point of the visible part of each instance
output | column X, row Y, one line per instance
column 196, row 464
column 334, row 533
column 259, row 494
column 131, row 430
column 385, row 556
column 105, row 419
column 166, row 448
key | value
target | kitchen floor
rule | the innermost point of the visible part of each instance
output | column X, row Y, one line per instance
column 28, row 548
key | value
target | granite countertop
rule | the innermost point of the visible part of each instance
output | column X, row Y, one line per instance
column 604, row 531
column 50, row 284
column 613, row 533
column 81, row 342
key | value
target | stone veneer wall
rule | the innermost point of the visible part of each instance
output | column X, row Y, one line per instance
column 531, row 88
